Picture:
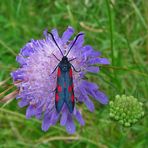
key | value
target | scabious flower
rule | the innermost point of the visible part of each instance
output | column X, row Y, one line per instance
column 126, row 109
column 36, row 83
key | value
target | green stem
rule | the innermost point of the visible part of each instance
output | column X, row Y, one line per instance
column 111, row 31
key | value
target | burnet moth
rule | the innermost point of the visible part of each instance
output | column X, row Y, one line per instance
column 64, row 92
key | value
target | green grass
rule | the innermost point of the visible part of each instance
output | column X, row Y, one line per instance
column 118, row 29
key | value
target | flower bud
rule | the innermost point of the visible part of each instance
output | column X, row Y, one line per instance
column 127, row 110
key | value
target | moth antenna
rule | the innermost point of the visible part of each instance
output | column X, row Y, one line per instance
column 55, row 42
column 56, row 57
column 74, row 42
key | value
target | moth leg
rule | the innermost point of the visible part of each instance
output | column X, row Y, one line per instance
column 75, row 69
column 72, row 59
column 54, row 70
column 52, row 91
column 56, row 57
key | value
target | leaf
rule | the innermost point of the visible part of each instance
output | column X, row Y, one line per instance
column 10, row 96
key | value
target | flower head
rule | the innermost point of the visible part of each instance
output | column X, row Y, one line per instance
column 126, row 109
column 37, row 83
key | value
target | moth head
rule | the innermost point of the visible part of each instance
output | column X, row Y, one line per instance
column 64, row 59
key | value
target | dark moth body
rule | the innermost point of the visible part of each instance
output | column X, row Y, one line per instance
column 64, row 93
column 65, row 89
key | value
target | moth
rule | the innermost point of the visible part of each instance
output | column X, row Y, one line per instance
column 64, row 92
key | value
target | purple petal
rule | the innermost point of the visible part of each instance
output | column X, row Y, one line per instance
column 101, row 97
column 20, row 59
column 91, row 89
column 89, row 104
column 38, row 113
column 80, row 98
column 93, row 69
column 57, row 38
column 67, row 34
column 70, row 126
column 54, row 117
column 23, row 103
column 86, row 100
column 46, row 123
column 79, row 43
column 79, row 118
column 82, row 90
column 45, row 33
column 30, row 112
column 38, row 116
column 27, row 50
column 103, row 61
column 17, row 75
column 89, row 85
column 95, row 54
column 48, row 39
column 64, row 117
column 89, row 51
column 55, row 34
column 37, row 44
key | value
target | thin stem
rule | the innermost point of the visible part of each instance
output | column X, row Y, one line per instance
column 111, row 31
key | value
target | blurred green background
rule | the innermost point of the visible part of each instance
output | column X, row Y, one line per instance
column 118, row 29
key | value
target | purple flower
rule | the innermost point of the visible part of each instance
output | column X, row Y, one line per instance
column 36, row 83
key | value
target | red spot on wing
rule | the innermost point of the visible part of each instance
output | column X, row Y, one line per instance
column 59, row 72
column 70, row 88
column 72, row 97
column 70, row 72
column 56, row 97
column 59, row 88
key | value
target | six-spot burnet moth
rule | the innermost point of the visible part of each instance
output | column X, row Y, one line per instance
column 64, row 92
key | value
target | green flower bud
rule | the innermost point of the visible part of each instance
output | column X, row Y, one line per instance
column 127, row 110
column 121, row 121
column 127, row 124
column 111, row 115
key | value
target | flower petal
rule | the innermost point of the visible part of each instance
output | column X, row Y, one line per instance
column 78, row 44
column 89, row 104
column 89, row 51
column 64, row 117
column 70, row 126
column 93, row 61
column 89, row 85
column 101, row 97
column 23, row 103
column 67, row 34
column 86, row 100
column 20, row 59
column 27, row 50
column 55, row 33
column 79, row 118
column 30, row 112
column 46, row 122
column 93, row 69
column 54, row 117
column 17, row 75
